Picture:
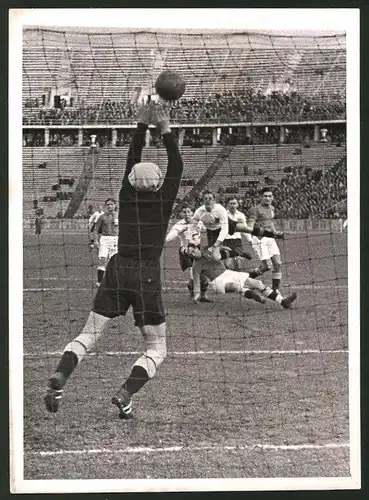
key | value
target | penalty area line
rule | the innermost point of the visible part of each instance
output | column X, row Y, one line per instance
column 190, row 449
column 200, row 353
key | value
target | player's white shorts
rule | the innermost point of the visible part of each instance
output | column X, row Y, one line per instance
column 265, row 247
column 108, row 247
column 236, row 278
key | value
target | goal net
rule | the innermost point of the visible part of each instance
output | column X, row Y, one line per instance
column 247, row 390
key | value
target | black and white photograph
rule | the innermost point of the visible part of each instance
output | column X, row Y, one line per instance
column 185, row 234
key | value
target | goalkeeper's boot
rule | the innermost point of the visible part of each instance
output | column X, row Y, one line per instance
column 254, row 295
column 123, row 400
column 287, row 301
column 54, row 392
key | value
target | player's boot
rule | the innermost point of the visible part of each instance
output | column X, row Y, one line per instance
column 205, row 299
column 123, row 400
column 54, row 392
column 254, row 295
column 287, row 301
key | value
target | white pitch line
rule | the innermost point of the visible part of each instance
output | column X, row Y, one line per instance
column 191, row 449
column 77, row 289
column 91, row 289
column 200, row 353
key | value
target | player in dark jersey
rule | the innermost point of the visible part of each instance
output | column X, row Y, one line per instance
column 262, row 216
column 106, row 237
column 132, row 276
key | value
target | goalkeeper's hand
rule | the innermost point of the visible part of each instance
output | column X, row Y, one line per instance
column 145, row 113
column 160, row 117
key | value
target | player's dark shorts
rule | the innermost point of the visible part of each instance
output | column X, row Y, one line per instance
column 213, row 234
column 131, row 283
column 185, row 261
column 233, row 243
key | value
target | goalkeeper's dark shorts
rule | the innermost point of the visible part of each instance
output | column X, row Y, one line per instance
column 131, row 283
column 185, row 261
column 213, row 234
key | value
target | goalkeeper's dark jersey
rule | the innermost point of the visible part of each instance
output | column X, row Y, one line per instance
column 144, row 216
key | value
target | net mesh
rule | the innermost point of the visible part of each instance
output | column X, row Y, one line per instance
column 247, row 390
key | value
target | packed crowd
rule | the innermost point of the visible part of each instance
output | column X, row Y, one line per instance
column 228, row 106
column 301, row 194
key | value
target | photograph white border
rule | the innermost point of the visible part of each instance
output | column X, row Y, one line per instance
column 280, row 21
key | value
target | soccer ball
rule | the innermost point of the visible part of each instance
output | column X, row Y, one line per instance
column 170, row 86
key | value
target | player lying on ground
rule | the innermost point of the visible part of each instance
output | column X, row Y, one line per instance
column 133, row 276
column 106, row 237
column 223, row 280
column 265, row 248
column 188, row 231
column 218, row 225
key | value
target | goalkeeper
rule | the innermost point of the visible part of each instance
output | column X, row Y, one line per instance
column 133, row 275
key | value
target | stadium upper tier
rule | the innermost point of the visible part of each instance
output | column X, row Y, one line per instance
column 242, row 69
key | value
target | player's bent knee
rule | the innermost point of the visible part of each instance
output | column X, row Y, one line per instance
column 254, row 284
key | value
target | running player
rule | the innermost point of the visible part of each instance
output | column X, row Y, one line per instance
column 188, row 231
column 133, row 276
column 223, row 280
column 265, row 248
column 106, row 231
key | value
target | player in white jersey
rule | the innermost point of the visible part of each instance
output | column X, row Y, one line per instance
column 223, row 280
column 91, row 225
column 218, row 225
column 188, row 231
column 261, row 216
column 234, row 241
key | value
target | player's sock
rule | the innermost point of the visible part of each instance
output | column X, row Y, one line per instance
column 190, row 286
column 272, row 295
column 253, row 295
column 67, row 364
column 190, row 273
column 137, row 379
column 100, row 275
column 276, row 280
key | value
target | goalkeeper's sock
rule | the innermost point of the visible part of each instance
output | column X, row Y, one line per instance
column 137, row 379
column 67, row 364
